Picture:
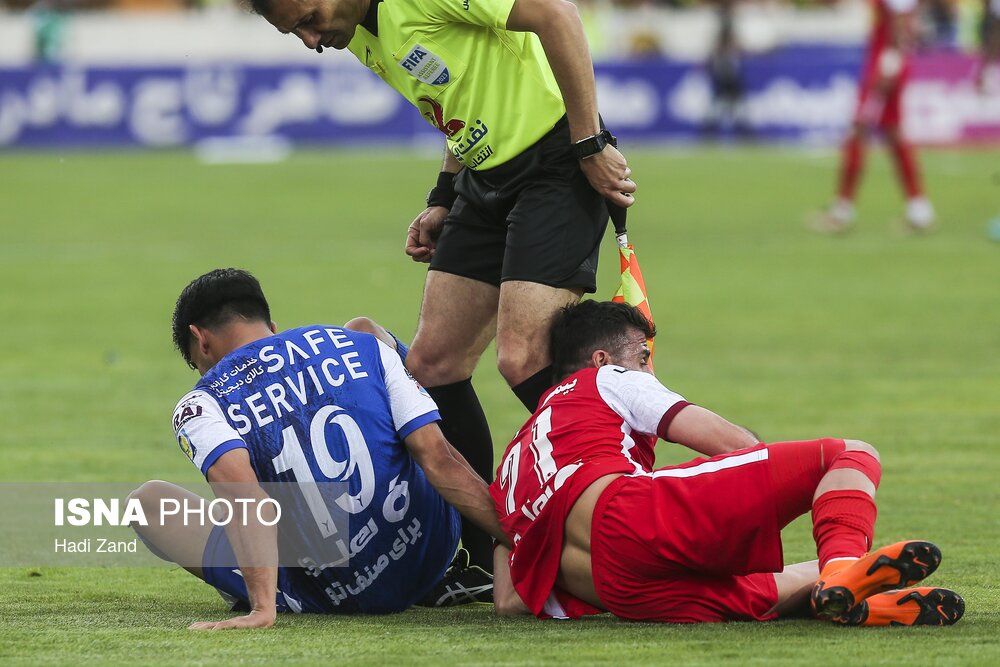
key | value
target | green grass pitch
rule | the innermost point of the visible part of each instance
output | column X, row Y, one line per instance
column 876, row 336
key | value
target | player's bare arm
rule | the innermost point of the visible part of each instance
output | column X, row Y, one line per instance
column 693, row 426
column 454, row 479
column 707, row 433
column 423, row 232
column 254, row 544
column 560, row 31
column 506, row 601
column 372, row 327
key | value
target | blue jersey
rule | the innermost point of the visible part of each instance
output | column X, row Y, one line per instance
column 332, row 406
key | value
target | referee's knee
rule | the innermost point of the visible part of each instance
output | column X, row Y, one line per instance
column 518, row 365
column 434, row 368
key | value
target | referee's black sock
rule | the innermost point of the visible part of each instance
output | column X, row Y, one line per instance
column 464, row 424
column 531, row 390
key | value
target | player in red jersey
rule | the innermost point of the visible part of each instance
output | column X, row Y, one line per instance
column 883, row 82
column 595, row 528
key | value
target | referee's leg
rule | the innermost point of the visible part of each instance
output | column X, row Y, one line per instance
column 524, row 322
column 457, row 322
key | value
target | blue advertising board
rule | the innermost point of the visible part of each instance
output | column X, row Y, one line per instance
column 796, row 93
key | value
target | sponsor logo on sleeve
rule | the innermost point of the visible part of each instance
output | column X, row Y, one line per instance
column 420, row 387
column 423, row 65
column 186, row 446
column 185, row 412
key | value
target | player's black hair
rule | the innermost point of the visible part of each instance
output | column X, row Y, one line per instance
column 580, row 329
column 214, row 300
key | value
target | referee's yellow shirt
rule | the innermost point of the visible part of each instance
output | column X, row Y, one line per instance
column 489, row 90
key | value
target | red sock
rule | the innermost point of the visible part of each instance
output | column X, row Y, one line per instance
column 851, row 163
column 907, row 168
column 843, row 524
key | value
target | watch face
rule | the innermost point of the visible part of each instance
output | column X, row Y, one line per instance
column 590, row 146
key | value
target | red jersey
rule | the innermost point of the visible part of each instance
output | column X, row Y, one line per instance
column 597, row 422
column 875, row 105
column 884, row 11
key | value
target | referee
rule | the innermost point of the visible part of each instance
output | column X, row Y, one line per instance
column 513, row 226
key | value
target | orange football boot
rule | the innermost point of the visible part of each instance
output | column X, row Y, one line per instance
column 909, row 606
column 843, row 585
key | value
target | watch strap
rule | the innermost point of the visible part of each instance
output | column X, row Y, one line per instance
column 594, row 144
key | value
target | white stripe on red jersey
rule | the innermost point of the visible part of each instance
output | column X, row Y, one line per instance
column 708, row 467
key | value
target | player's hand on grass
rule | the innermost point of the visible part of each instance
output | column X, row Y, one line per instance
column 423, row 233
column 255, row 619
column 609, row 174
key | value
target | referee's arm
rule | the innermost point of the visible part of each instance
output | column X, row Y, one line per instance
column 560, row 31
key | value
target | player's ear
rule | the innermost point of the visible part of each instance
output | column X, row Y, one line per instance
column 196, row 332
column 600, row 358
column 201, row 336
column 273, row 327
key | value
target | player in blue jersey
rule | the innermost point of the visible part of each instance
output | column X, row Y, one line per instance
column 330, row 419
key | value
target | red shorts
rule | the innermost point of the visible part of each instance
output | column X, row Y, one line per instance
column 699, row 542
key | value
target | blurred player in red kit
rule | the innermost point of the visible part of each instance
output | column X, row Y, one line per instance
column 596, row 528
column 883, row 82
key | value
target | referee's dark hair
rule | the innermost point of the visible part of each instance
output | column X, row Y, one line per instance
column 260, row 7
column 581, row 329
column 215, row 299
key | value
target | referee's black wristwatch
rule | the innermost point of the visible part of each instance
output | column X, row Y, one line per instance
column 594, row 144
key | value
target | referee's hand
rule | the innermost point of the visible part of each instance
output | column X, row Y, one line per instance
column 422, row 235
column 609, row 174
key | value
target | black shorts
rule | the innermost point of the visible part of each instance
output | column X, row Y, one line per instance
column 535, row 218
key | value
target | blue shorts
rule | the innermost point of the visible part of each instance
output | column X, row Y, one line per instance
column 229, row 582
column 428, row 557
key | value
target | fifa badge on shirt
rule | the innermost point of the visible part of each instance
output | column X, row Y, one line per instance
column 425, row 66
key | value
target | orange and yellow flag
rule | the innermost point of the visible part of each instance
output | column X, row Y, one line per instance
column 632, row 289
